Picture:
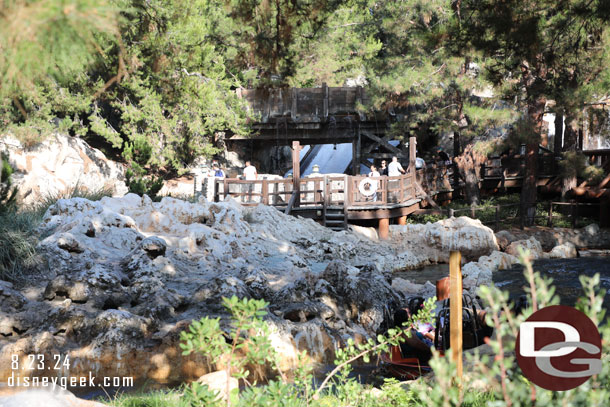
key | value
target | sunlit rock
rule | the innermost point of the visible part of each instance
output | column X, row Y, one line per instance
column 564, row 251
column 59, row 164
column 531, row 244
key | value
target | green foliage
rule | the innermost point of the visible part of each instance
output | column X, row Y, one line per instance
column 249, row 335
column 18, row 240
column 44, row 40
column 8, row 193
column 574, row 165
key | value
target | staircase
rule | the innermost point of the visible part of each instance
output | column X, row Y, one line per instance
column 334, row 218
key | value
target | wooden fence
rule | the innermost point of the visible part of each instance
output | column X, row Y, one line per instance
column 342, row 190
column 500, row 213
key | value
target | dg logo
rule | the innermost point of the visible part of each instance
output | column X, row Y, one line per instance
column 559, row 348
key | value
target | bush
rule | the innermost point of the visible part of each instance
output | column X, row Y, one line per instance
column 8, row 193
column 18, row 240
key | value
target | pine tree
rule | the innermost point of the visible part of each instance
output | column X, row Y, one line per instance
column 539, row 49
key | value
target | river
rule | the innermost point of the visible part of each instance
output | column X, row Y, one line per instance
column 564, row 272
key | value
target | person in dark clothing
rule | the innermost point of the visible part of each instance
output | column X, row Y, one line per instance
column 443, row 156
column 383, row 170
column 416, row 345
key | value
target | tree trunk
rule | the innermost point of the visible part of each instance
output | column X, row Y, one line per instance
column 571, row 133
column 529, row 190
column 529, row 193
column 558, row 140
column 469, row 166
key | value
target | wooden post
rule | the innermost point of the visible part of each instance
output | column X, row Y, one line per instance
column 550, row 222
column 296, row 171
column 293, row 110
column 325, row 105
column 497, row 218
column 356, row 153
column 402, row 220
column 455, row 304
column 384, row 228
column 573, row 215
column 456, row 152
column 412, row 153
column 265, row 192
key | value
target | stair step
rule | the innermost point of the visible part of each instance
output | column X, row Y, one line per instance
column 334, row 222
column 335, row 215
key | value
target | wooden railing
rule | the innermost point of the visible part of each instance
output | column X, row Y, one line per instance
column 323, row 191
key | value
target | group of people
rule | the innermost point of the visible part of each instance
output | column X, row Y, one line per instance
column 392, row 170
column 249, row 173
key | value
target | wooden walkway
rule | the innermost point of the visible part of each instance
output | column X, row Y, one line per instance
column 336, row 200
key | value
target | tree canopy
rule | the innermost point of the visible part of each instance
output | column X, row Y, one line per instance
column 154, row 81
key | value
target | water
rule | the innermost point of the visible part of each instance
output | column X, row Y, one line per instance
column 564, row 272
column 428, row 273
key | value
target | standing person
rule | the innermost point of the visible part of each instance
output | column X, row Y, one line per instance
column 218, row 172
column 375, row 173
column 395, row 169
column 250, row 174
column 384, row 168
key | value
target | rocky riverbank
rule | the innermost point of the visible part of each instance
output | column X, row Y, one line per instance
column 124, row 276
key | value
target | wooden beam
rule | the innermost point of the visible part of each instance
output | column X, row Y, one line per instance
column 455, row 311
column 382, row 143
column 402, row 220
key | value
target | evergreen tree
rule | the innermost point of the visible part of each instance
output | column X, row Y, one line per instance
column 538, row 50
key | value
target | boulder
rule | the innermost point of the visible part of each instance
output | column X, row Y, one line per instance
column 406, row 287
column 504, row 238
column 480, row 272
column 217, row 382
column 44, row 396
column 60, row 164
column 564, row 251
column 530, row 244
column 436, row 240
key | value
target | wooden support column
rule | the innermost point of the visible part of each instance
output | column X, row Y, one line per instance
column 356, row 153
column 456, row 152
column 296, row 171
column 412, row 152
column 402, row 220
column 455, row 312
column 384, row 228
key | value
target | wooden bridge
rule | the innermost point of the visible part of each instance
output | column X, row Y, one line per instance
column 325, row 115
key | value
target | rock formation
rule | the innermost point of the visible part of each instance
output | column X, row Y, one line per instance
column 126, row 275
column 59, row 164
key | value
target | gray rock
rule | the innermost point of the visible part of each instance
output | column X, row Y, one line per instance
column 153, row 246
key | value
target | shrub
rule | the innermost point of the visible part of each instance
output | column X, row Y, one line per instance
column 8, row 193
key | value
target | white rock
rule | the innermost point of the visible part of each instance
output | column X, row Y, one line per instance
column 479, row 273
column 530, row 244
column 592, row 229
column 61, row 163
column 564, row 251
column 436, row 240
column 217, row 381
